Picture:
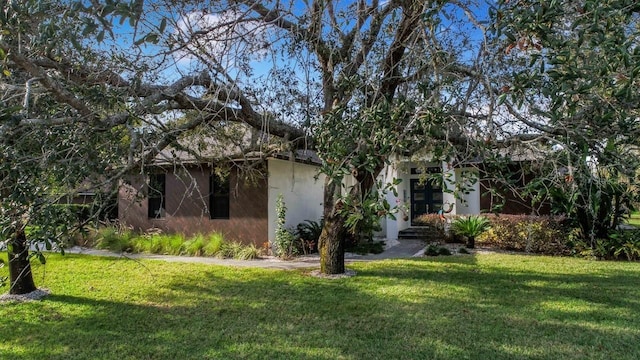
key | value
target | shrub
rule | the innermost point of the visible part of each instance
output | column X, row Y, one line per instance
column 364, row 248
column 535, row 234
column 431, row 250
column 436, row 224
column 194, row 246
column 470, row 227
column 621, row 245
column 435, row 250
column 154, row 241
column 248, row 252
column 214, row 244
column 141, row 244
column 236, row 250
column 284, row 240
column 173, row 244
column 463, row 250
column 230, row 250
column 309, row 230
column 114, row 239
column 157, row 243
column 308, row 234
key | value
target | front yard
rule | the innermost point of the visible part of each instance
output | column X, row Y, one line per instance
column 476, row 307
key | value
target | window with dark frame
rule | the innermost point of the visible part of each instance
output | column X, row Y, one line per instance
column 218, row 197
column 156, row 196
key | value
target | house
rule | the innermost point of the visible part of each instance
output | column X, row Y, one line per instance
column 458, row 188
column 191, row 197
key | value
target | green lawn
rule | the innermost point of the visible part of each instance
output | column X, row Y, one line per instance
column 471, row 307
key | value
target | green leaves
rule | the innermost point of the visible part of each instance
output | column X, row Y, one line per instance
column 163, row 25
column 580, row 83
column 151, row 38
column 470, row 226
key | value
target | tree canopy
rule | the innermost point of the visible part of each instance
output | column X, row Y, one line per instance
column 94, row 90
column 571, row 79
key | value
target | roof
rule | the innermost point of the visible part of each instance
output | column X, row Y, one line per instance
column 233, row 143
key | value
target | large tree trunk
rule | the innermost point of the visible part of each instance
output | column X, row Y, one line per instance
column 332, row 239
column 331, row 243
column 20, row 276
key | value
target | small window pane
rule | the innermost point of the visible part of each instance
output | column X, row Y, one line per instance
column 156, row 196
column 218, row 197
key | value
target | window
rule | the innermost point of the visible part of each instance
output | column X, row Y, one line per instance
column 157, row 188
column 218, row 197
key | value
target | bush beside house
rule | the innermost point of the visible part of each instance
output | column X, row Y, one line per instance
column 548, row 235
column 534, row 234
column 120, row 239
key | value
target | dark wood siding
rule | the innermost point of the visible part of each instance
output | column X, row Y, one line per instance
column 187, row 206
column 511, row 201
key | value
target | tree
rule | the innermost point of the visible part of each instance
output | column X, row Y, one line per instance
column 103, row 89
column 393, row 75
column 77, row 112
column 570, row 80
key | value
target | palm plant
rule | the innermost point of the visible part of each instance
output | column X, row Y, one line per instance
column 470, row 227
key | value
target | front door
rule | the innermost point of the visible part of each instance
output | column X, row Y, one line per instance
column 426, row 198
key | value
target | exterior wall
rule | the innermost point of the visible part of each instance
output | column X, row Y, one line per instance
column 454, row 177
column 511, row 202
column 187, row 202
column 302, row 193
column 450, row 182
column 468, row 203
column 390, row 226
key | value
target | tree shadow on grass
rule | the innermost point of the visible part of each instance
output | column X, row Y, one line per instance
column 411, row 309
column 424, row 315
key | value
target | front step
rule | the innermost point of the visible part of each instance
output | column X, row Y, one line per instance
column 425, row 233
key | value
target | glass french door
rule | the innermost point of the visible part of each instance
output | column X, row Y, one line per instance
column 426, row 198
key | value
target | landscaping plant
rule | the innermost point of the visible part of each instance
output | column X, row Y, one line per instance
column 284, row 244
column 620, row 245
column 470, row 227
column 308, row 233
column 535, row 234
column 214, row 244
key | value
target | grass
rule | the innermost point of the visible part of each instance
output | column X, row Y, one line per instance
column 213, row 244
column 463, row 307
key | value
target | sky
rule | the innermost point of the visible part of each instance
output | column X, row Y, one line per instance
column 182, row 21
column 256, row 65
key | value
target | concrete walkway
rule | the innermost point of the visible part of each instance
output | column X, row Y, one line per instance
column 401, row 249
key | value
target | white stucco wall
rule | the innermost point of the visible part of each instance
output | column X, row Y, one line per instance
column 303, row 195
column 450, row 179
column 401, row 169
column 470, row 203
column 391, row 227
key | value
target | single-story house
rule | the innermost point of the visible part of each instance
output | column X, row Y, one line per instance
column 465, row 189
column 191, row 198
